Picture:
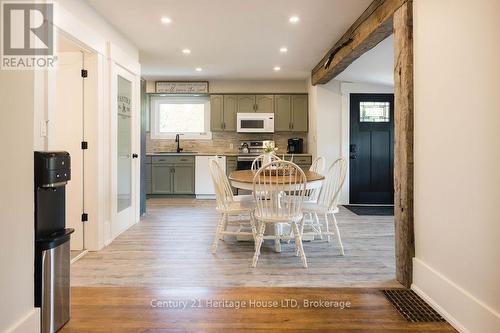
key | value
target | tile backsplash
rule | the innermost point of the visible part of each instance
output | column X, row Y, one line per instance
column 221, row 142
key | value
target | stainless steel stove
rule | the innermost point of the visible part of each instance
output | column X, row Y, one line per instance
column 249, row 150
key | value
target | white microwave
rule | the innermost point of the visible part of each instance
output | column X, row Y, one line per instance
column 255, row 122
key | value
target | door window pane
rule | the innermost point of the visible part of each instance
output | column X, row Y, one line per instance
column 374, row 112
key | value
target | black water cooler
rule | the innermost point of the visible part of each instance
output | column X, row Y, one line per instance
column 52, row 239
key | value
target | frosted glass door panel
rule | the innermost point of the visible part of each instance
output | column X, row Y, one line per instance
column 124, row 143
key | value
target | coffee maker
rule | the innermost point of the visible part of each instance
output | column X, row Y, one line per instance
column 295, row 146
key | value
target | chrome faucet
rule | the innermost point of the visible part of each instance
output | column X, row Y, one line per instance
column 178, row 140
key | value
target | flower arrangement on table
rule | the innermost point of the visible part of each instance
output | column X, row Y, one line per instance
column 270, row 149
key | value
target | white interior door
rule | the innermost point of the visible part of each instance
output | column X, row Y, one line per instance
column 65, row 132
column 125, row 137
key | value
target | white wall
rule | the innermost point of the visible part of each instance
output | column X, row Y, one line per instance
column 457, row 160
column 249, row 86
column 16, row 203
column 91, row 20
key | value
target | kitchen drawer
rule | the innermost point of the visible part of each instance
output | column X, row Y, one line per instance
column 173, row 159
column 300, row 159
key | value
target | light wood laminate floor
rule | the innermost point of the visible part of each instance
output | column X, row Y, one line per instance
column 135, row 310
column 170, row 248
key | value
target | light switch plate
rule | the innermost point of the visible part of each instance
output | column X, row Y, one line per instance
column 43, row 128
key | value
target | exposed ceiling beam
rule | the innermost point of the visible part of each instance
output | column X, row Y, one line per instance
column 372, row 27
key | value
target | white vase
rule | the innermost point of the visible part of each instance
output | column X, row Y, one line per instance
column 267, row 158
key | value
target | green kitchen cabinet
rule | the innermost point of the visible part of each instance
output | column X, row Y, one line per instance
column 162, row 179
column 282, row 113
column 148, row 177
column 246, row 103
column 303, row 161
column 172, row 174
column 264, row 103
column 183, row 179
column 223, row 109
column 290, row 113
column 299, row 113
column 230, row 112
column 216, row 113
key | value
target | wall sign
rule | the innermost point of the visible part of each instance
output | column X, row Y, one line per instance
column 179, row 87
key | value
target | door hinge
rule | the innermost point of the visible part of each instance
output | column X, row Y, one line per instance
column 85, row 145
column 85, row 73
column 85, row 217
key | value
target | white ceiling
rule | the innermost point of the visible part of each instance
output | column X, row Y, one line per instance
column 375, row 66
column 230, row 39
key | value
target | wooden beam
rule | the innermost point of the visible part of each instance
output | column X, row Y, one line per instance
column 372, row 27
column 403, row 148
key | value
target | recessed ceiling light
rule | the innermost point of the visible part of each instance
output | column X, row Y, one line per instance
column 198, row 69
column 283, row 50
column 277, row 68
column 186, row 51
column 166, row 20
column 294, row 19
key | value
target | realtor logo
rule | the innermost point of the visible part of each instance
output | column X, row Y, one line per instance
column 27, row 35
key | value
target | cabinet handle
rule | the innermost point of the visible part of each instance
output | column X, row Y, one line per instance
column 183, row 160
column 292, row 125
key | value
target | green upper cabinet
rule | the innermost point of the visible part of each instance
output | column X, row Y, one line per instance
column 246, row 103
column 282, row 113
column 264, row 103
column 230, row 111
column 299, row 113
column 290, row 113
column 216, row 113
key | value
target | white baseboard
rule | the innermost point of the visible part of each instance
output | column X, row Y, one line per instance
column 460, row 308
column 205, row 196
column 30, row 323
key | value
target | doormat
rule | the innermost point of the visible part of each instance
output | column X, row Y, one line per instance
column 371, row 210
column 412, row 307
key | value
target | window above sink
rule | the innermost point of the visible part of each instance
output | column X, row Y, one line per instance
column 189, row 116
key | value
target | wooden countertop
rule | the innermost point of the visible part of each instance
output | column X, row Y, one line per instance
column 246, row 176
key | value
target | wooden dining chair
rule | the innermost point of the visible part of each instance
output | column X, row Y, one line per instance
column 273, row 179
column 259, row 161
column 327, row 203
column 230, row 205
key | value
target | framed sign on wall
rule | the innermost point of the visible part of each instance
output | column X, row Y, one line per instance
column 182, row 87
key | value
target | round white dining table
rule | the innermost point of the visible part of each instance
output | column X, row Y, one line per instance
column 243, row 179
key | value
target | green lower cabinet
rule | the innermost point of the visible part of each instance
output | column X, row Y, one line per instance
column 172, row 175
column 183, row 179
column 162, row 179
column 148, row 178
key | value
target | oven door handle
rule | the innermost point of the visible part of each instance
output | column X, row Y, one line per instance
column 245, row 159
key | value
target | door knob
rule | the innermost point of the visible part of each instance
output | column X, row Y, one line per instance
column 135, row 156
